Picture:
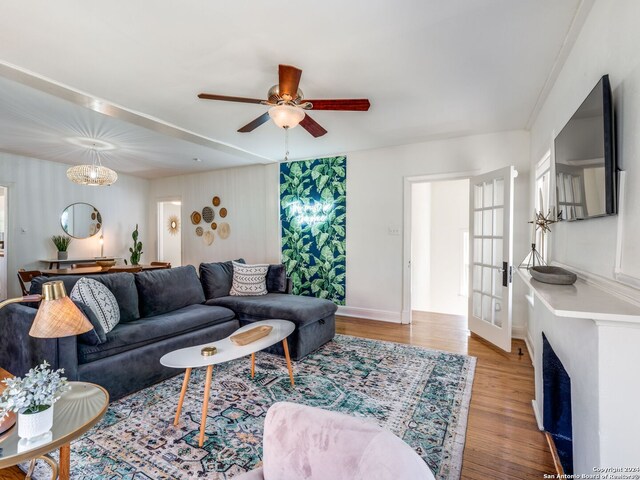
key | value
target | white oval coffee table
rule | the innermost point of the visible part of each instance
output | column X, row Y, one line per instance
column 226, row 350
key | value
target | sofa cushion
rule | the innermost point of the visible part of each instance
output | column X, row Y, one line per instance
column 127, row 336
column 100, row 301
column 95, row 336
column 277, row 279
column 122, row 285
column 163, row 291
column 249, row 280
column 298, row 309
column 217, row 277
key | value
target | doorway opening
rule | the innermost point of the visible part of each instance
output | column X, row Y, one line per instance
column 440, row 250
column 170, row 231
column 3, row 246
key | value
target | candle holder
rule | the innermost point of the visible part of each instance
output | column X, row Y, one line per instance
column 540, row 222
column 532, row 259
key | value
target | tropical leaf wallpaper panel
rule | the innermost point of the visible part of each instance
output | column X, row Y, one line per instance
column 313, row 212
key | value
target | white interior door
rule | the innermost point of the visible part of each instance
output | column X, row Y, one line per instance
column 491, row 275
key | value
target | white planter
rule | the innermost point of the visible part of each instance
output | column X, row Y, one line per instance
column 34, row 424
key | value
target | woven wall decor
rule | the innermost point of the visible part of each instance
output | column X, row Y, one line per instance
column 207, row 214
column 224, row 230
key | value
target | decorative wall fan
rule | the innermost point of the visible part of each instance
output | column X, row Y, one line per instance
column 288, row 104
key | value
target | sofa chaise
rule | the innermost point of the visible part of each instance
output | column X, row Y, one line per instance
column 314, row 317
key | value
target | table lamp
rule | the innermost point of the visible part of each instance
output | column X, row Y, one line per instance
column 57, row 317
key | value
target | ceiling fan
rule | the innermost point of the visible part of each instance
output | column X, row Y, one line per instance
column 288, row 105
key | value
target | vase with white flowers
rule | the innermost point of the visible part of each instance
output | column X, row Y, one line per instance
column 32, row 398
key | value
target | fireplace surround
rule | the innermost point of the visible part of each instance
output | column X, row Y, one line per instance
column 595, row 334
column 557, row 417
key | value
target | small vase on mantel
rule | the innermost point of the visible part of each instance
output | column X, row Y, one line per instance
column 63, row 255
column 31, row 425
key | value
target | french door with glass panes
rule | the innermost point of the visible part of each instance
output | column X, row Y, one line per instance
column 491, row 269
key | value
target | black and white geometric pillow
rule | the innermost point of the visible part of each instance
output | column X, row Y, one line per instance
column 249, row 280
column 100, row 301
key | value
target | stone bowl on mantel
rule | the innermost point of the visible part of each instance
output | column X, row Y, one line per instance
column 553, row 275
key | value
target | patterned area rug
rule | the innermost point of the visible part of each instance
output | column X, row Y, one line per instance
column 421, row 395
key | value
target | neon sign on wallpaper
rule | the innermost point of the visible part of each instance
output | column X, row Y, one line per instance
column 311, row 213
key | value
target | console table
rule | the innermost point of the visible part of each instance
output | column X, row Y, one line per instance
column 98, row 270
column 55, row 263
column 595, row 333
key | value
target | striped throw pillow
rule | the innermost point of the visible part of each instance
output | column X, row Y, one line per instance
column 249, row 280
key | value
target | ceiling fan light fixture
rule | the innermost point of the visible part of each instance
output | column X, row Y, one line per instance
column 286, row 116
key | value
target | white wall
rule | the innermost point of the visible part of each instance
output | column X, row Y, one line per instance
column 171, row 250
column 38, row 193
column 421, row 246
column 3, row 258
column 607, row 43
column 449, row 218
column 250, row 194
column 375, row 203
column 439, row 216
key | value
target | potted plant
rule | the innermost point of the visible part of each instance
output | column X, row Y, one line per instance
column 136, row 250
column 62, row 244
column 32, row 398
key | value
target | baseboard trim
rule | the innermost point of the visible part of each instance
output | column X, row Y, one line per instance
column 529, row 342
column 519, row 332
column 536, row 413
column 369, row 314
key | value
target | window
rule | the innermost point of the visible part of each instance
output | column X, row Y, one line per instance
column 542, row 200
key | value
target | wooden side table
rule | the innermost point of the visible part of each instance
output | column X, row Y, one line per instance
column 77, row 410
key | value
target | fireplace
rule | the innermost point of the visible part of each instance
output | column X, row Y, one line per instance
column 557, row 405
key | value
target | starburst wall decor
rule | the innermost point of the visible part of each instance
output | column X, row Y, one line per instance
column 173, row 224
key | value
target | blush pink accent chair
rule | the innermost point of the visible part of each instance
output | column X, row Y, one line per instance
column 307, row 443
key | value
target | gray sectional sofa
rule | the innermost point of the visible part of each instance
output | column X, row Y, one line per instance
column 160, row 311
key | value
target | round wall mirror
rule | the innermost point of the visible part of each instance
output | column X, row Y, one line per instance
column 81, row 220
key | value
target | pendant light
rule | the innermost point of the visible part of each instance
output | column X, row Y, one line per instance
column 95, row 175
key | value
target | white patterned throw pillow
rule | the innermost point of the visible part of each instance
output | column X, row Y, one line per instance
column 249, row 280
column 100, row 301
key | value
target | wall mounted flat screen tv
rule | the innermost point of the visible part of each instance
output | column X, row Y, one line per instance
column 585, row 159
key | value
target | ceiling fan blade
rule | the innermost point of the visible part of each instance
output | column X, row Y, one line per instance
column 211, row 96
column 251, row 126
column 313, row 127
column 353, row 104
column 289, row 80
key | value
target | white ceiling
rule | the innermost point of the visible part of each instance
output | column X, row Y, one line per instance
column 431, row 68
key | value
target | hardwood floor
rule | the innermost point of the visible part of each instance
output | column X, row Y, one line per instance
column 503, row 440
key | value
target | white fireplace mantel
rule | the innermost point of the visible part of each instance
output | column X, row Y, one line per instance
column 596, row 335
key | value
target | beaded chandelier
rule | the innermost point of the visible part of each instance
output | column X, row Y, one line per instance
column 95, row 174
